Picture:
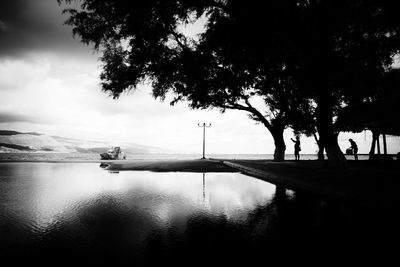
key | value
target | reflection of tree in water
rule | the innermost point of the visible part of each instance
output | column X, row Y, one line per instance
column 284, row 217
column 310, row 229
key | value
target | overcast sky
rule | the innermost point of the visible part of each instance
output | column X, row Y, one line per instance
column 49, row 83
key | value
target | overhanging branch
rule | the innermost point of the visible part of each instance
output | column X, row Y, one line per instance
column 249, row 108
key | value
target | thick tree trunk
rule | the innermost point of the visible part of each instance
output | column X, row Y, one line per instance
column 321, row 149
column 328, row 137
column 279, row 154
column 280, row 147
column 335, row 155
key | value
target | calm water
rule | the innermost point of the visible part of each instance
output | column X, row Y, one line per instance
column 93, row 156
column 77, row 212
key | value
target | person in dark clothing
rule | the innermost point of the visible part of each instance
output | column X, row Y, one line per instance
column 297, row 148
column 354, row 148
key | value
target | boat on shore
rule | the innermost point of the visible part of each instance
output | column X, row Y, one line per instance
column 114, row 153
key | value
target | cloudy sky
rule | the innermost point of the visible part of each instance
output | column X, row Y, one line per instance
column 49, row 83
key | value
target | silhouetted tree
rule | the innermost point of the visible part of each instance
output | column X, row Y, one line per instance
column 340, row 49
column 236, row 67
column 304, row 122
column 332, row 53
column 322, row 52
column 378, row 113
column 226, row 68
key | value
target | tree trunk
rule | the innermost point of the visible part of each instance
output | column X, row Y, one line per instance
column 328, row 137
column 280, row 147
column 335, row 155
column 384, row 144
column 378, row 144
column 375, row 137
column 321, row 149
column 333, row 152
column 279, row 154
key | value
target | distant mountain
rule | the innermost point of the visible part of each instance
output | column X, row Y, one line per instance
column 6, row 132
column 14, row 141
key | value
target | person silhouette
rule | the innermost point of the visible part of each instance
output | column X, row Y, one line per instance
column 354, row 148
column 297, row 148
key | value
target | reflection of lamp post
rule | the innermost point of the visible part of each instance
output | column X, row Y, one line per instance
column 204, row 136
column 205, row 205
column 204, row 187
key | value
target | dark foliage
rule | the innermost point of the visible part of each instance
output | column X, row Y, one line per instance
column 307, row 60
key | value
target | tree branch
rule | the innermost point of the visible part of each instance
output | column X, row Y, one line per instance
column 257, row 114
column 176, row 37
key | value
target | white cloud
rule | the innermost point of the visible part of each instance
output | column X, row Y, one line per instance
column 15, row 74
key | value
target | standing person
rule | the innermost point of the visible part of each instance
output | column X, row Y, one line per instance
column 354, row 148
column 297, row 148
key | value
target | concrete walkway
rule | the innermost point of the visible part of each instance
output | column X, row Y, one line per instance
column 371, row 184
column 291, row 182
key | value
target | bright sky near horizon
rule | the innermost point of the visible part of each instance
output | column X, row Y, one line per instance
column 49, row 83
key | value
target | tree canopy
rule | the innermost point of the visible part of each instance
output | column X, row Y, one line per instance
column 306, row 59
column 378, row 113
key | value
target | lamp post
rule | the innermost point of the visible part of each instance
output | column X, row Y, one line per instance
column 204, row 125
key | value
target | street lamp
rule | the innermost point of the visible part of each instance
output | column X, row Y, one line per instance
column 204, row 125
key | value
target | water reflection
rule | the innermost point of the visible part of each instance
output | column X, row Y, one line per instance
column 80, row 211
column 41, row 192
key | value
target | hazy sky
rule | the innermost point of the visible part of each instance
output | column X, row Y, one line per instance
column 49, row 83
